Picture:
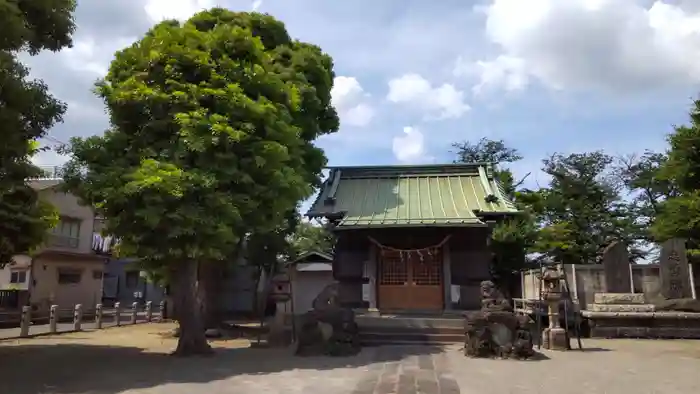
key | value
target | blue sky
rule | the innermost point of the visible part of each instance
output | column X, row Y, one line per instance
column 414, row 76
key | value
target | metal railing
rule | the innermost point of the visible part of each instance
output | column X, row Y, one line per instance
column 63, row 241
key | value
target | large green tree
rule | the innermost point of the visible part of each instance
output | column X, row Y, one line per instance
column 581, row 210
column 679, row 215
column 27, row 112
column 213, row 122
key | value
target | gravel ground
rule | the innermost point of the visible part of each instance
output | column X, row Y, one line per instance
column 133, row 359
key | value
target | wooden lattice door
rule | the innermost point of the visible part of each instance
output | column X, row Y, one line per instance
column 410, row 280
column 426, row 280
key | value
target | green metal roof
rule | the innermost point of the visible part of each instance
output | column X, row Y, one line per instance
column 408, row 196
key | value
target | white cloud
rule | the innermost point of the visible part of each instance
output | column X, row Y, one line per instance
column 349, row 99
column 49, row 157
column 441, row 102
column 256, row 5
column 159, row 10
column 614, row 45
column 410, row 146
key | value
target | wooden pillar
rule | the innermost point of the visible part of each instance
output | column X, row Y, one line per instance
column 370, row 272
column 449, row 301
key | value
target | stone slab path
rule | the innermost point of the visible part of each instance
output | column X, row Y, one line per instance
column 413, row 369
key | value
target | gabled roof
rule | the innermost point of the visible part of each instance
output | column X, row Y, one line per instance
column 410, row 196
column 308, row 255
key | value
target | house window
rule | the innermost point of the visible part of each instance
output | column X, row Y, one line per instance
column 69, row 276
column 18, row 276
column 97, row 274
column 132, row 279
column 66, row 233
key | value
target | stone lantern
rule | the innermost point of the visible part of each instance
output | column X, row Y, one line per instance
column 281, row 288
column 554, row 337
column 281, row 293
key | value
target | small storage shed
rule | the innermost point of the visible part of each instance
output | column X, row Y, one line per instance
column 308, row 275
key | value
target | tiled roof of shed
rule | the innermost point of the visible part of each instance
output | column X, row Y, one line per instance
column 437, row 195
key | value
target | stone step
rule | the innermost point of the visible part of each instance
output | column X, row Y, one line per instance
column 388, row 338
column 410, row 321
column 646, row 332
column 619, row 298
column 621, row 308
column 418, row 330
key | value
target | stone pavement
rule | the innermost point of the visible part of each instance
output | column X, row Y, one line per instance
column 413, row 369
column 131, row 360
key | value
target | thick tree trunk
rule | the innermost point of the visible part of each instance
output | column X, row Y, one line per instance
column 209, row 288
column 192, row 340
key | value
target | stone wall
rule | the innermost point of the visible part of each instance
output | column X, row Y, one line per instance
column 587, row 279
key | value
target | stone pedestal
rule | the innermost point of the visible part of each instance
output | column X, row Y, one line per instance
column 278, row 329
column 555, row 339
column 495, row 330
column 627, row 315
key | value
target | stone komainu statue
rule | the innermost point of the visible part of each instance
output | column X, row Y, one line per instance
column 495, row 330
column 329, row 328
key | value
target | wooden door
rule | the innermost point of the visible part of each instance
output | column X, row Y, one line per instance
column 410, row 281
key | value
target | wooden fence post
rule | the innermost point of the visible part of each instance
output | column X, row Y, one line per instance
column 134, row 311
column 53, row 319
column 98, row 316
column 77, row 317
column 25, row 321
column 149, row 311
column 118, row 313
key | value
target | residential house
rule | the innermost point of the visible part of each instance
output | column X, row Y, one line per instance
column 123, row 280
column 64, row 271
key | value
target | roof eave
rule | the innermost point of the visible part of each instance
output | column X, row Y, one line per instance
column 347, row 227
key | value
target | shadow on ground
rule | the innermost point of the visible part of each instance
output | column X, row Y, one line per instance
column 66, row 368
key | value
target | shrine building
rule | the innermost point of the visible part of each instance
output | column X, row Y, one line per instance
column 412, row 238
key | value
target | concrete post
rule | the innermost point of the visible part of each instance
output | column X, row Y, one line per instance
column 25, row 321
column 53, row 319
column 98, row 316
column 162, row 310
column 134, row 311
column 118, row 313
column 149, row 311
column 77, row 317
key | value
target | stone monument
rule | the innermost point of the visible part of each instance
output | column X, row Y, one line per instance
column 554, row 337
column 675, row 314
column 675, row 276
column 495, row 330
column 616, row 265
column 328, row 329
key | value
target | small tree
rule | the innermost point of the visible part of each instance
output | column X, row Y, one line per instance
column 27, row 112
column 512, row 237
column 213, row 123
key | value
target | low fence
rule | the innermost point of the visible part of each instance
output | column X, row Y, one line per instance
column 77, row 318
